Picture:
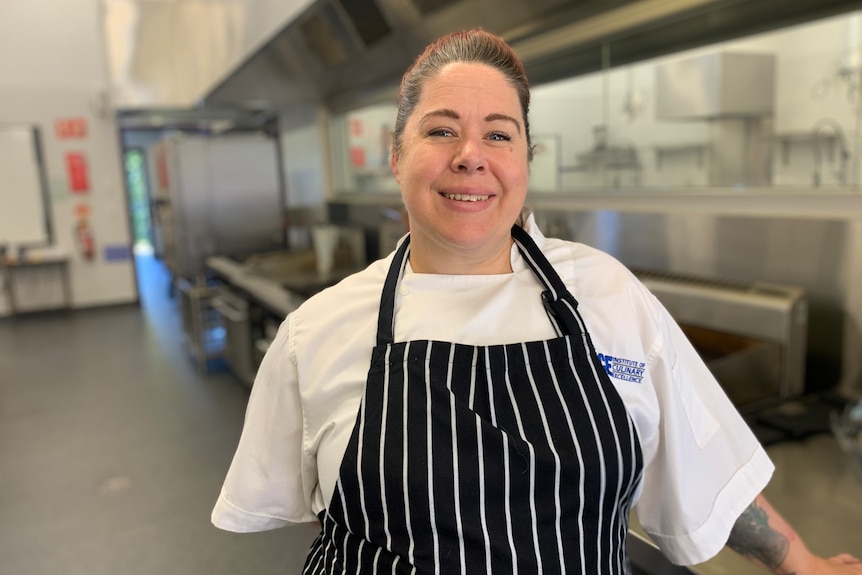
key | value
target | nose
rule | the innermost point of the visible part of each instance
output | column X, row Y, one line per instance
column 469, row 155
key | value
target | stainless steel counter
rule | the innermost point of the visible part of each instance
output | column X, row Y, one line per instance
column 257, row 294
column 265, row 290
column 279, row 280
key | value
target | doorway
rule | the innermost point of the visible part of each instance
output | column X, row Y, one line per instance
column 134, row 163
column 153, row 279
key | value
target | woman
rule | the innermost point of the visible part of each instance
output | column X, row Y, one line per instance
column 487, row 400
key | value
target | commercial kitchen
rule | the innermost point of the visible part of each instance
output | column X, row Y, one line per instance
column 176, row 177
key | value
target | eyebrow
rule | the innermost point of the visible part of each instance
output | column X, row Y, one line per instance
column 449, row 113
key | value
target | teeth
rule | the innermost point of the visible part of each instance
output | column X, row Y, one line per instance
column 465, row 198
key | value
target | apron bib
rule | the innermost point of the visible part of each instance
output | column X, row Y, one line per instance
column 517, row 458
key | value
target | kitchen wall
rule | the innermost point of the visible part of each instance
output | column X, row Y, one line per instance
column 817, row 78
column 52, row 69
column 817, row 110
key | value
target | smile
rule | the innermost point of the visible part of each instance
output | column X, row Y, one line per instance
column 465, row 197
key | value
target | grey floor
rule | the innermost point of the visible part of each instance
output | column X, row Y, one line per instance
column 113, row 449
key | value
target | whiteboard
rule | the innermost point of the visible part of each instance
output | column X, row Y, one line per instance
column 23, row 216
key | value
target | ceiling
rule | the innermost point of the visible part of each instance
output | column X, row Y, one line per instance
column 343, row 54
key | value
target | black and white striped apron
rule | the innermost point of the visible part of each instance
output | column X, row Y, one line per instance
column 501, row 459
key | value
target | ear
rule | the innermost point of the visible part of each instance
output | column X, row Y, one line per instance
column 393, row 164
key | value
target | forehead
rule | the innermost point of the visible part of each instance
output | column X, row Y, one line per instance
column 470, row 84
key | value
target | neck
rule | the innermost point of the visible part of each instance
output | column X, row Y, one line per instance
column 425, row 261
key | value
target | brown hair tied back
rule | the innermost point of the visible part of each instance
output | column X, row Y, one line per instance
column 469, row 46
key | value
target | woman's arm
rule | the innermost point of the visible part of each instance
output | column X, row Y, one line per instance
column 765, row 538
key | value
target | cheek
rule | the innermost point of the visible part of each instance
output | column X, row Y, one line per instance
column 421, row 169
column 411, row 179
column 517, row 174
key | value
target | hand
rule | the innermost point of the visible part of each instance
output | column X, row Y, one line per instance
column 844, row 564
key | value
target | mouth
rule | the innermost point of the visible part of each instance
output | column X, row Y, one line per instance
column 466, row 197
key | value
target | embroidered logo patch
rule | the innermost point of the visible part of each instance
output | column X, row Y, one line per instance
column 623, row 369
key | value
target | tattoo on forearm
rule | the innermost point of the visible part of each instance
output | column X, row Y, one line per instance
column 753, row 537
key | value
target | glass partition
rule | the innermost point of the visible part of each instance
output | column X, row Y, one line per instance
column 362, row 142
column 778, row 110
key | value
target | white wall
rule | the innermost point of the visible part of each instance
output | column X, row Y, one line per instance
column 52, row 66
column 305, row 152
column 171, row 54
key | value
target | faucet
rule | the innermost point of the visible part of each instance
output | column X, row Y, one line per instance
column 843, row 152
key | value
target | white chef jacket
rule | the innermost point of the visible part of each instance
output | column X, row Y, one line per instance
column 702, row 464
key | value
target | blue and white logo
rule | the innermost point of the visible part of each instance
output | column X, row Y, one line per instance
column 623, row 369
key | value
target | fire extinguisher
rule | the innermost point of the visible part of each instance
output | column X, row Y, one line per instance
column 85, row 239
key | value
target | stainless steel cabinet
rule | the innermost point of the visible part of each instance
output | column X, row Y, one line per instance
column 218, row 195
column 239, row 354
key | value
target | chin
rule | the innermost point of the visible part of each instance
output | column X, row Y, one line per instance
column 473, row 238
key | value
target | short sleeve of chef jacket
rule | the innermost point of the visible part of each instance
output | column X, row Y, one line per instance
column 704, row 466
column 266, row 485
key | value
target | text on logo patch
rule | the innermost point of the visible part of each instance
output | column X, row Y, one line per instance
column 623, row 369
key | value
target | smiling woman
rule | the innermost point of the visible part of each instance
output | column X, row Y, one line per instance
column 461, row 163
column 454, row 409
column 460, row 153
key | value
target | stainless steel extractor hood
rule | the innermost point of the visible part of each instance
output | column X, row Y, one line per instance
column 345, row 53
column 733, row 93
column 716, row 85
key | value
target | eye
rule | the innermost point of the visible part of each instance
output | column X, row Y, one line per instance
column 442, row 132
column 499, row 137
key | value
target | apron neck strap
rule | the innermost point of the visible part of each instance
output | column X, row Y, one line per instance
column 558, row 302
column 539, row 264
column 560, row 305
column 387, row 299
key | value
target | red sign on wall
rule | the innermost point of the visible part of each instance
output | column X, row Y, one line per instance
column 357, row 157
column 82, row 211
column 70, row 128
column 76, row 171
